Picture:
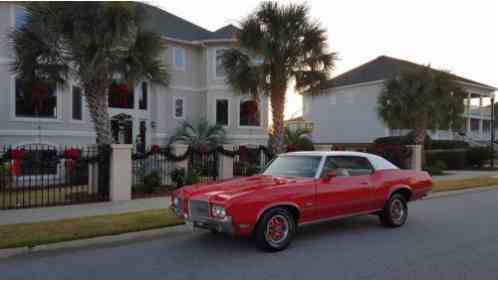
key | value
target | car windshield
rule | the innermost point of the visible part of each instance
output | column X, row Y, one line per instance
column 294, row 166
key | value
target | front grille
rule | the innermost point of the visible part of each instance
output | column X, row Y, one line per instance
column 198, row 209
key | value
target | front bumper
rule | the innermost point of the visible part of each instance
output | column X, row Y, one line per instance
column 224, row 226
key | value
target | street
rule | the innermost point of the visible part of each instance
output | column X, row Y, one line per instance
column 450, row 237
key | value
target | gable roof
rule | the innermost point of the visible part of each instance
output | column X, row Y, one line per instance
column 171, row 26
column 381, row 68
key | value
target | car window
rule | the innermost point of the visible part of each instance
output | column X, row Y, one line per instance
column 346, row 166
column 294, row 166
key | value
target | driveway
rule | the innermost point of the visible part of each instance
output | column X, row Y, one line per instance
column 451, row 237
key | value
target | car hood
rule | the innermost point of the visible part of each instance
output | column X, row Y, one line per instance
column 229, row 189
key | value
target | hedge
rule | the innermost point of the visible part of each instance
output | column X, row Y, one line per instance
column 428, row 144
column 453, row 159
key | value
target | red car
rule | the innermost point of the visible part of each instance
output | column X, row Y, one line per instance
column 300, row 188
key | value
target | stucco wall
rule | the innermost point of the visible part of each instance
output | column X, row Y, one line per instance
column 345, row 115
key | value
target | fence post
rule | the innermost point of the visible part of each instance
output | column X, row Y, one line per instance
column 323, row 147
column 180, row 149
column 226, row 164
column 416, row 157
column 121, row 170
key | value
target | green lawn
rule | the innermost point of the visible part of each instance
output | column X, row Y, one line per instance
column 33, row 234
column 458, row 184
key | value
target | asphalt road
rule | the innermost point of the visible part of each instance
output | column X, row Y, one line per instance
column 452, row 237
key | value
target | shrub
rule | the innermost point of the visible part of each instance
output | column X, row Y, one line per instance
column 453, row 159
column 396, row 154
column 437, row 169
column 477, row 156
column 149, row 182
column 181, row 177
column 447, row 144
column 5, row 176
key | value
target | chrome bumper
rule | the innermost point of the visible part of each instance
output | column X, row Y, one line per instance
column 224, row 226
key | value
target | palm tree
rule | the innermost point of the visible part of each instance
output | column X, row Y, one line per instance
column 298, row 139
column 94, row 43
column 276, row 45
column 422, row 99
column 202, row 135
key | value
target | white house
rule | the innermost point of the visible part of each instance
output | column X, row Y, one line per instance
column 346, row 111
column 151, row 112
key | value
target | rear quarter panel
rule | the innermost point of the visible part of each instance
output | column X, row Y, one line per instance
column 386, row 182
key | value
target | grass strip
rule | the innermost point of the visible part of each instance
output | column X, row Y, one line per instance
column 33, row 234
column 459, row 184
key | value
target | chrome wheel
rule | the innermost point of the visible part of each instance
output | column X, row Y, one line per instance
column 277, row 230
column 397, row 211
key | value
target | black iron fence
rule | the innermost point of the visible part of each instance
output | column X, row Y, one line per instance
column 39, row 175
column 250, row 160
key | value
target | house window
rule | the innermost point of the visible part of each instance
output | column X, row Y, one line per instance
column 222, row 112
column 474, row 125
column 178, row 108
column 121, row 96
column 142, row 99
column 486, row 126
column 77, row 104
column 39, row 100
column 179, row 58
column 220, row 69
column 249, row 114
column 20, row 17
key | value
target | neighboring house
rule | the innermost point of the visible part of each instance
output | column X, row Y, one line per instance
column 346, row 112
column 151, row 113
column 298, row 123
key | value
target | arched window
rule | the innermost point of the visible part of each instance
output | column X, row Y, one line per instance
column 249, row 114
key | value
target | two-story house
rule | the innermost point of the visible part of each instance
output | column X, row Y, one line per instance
column 150, row 113
column 346, row 112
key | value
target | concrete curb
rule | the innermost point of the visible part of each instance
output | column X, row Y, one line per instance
column 82, row 243
column 459, row 192
column 155, row 233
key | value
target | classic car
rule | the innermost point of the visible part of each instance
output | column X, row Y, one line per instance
column 301, row 188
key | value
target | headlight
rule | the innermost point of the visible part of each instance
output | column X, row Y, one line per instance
column 218, row 211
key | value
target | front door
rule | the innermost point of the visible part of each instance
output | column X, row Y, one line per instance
column 350, row 191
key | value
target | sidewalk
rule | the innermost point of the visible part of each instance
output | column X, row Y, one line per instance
column 83, row 210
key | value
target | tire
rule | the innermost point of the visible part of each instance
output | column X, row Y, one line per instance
column 214, row 231
column 395, row 212
column 275, row 230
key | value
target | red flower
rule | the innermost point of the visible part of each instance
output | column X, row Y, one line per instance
column 17, row 154
column 72, row 153
column 39, row 95
column 122, row 92
column 155, row 149
column 15, row 168
column 70, row 165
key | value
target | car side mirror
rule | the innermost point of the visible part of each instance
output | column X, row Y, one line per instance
column 330, row 175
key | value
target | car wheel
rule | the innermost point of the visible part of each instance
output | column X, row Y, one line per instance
column 275, row 230
column 395, row 211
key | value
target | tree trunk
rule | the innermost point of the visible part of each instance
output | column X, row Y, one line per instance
column 420, row 135
column 278, row 106
column 96, row 98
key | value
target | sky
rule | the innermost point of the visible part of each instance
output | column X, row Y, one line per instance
column 458, row 36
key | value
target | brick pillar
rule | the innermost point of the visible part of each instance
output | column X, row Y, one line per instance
column 226, row 163
column 416, row 157
column 121, row 172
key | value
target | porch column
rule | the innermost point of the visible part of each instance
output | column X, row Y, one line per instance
column 416, row 157
column 481, row 114
column 121, row 171
column 468, row 114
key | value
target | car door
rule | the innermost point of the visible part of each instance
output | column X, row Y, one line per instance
column 350, row 191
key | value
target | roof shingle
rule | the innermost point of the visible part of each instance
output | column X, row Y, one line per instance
column 381, row 68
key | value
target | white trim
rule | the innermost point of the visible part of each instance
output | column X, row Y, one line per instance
column 184, row 55
column 13, row 116
column 183, row 108
column 83, row 115
column 240, row 99
column 216, row 99
column 327, row 90
column 243, row 136
column 186, row 88
column 47, row 133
